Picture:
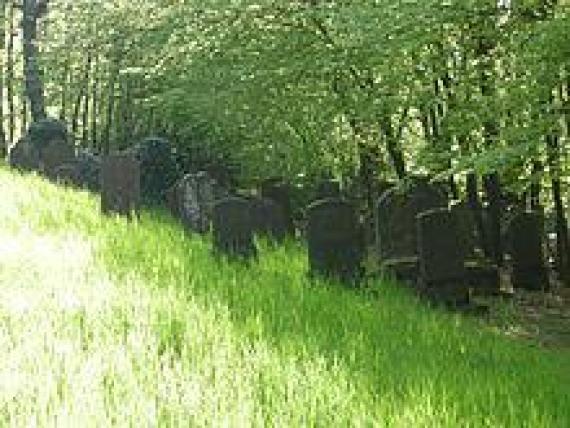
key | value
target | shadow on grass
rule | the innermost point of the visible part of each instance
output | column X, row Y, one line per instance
column 381, row 334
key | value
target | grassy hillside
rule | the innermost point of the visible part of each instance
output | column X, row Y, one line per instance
column 107, row 322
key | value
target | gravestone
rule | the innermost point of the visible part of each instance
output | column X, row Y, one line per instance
column 466, row 227
column 120, row 184
column 268, row 219
column 208, row 193
column 88, row 167
column 482, row 276
column 396, row 213
column 395, row 227
column 159, row 168
column 55, row 154
column 191, row 199
column 328, row 188
column 441, row 257
column 67, row 174
column 525, row 245
column 334, row 240
column 279, row 192
column 23, row 156
column 232, row 228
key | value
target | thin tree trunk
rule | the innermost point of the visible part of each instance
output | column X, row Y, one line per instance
column 10, row 75
column 94, row 105
column 3, row 143
column 534, row 194
column 85, row 116
column 81, row 96
column 110, row 112
column 34, row 85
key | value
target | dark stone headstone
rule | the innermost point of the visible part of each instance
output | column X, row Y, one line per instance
column 88, row 166
column 396, row 213
column 120, row 184
column 334, row 240
column 524, row 234
column 159, row 168
column 43, row 132
column 55, row 154
column 328, row 189
column 466, row 226
column 268, row 219
column 279, row 192
column 441, row 257
column 23, row 156
column 67, row 174
column 233, row 229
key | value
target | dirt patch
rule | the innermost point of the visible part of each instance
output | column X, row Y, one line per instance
column 541, row 317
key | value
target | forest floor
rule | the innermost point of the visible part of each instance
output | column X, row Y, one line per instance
column 105, row 322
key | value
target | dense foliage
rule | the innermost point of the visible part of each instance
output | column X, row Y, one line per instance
column 319, row 87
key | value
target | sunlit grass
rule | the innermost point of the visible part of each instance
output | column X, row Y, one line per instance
column 105, row 322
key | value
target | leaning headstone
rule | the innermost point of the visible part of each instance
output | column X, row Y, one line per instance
column 441, row 257
column 120, row 184
column 279, row 192
column 334, row 240
column 525, row 245
column 233, row 229
column 268, row 219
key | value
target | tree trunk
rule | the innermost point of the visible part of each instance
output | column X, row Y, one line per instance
column 10, row 77
column 81, row 96
column 110, row 112
column 537, row 170
column 3, row 144
column 34, row 85
column 94, row 105
column 562, row 244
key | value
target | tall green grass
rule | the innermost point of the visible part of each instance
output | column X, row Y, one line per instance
column 105, row 322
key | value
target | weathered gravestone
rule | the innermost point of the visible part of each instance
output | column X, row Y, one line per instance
column 55, row 154
column 279, row 192
column 23, row 156
column 524, row 234
column 191, row 200
column 396, row 239
column 120, row 184
column 334, row 240
column 441, row 257
column 268, row 219
column 233, row 229
column 44, row 147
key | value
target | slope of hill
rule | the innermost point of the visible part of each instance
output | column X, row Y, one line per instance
column 105, row 322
